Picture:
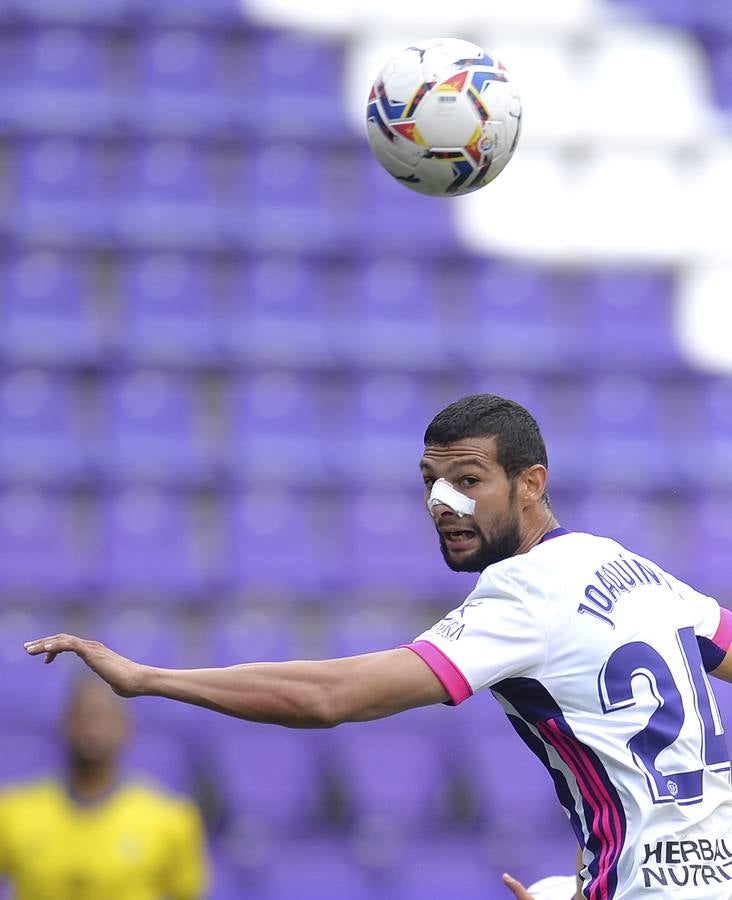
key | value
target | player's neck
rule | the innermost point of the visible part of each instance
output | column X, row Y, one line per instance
column 91, row 783
column 536, row 527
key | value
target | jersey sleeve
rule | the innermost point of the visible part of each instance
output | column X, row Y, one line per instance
column 492, row 636
column 187, row 869
column 712, row 625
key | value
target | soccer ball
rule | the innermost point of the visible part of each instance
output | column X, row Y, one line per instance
column 443, row 117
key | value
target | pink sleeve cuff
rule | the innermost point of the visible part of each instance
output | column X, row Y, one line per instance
column 453, row 680
column 723, row 635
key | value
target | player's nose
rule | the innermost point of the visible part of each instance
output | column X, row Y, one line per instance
column 443, row 514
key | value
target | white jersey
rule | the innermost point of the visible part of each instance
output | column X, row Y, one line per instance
column 599, row 658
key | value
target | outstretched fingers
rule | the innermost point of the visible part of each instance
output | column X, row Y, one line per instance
column 55, row 644
column 121, row 674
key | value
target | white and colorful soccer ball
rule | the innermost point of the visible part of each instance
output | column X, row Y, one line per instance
column 443, row 117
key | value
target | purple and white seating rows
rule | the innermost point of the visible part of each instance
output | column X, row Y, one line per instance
column 144, row 541
column 323, row 429
column 290, row 309
column 168, row 78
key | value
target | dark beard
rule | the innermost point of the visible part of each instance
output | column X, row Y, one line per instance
column 502, row 546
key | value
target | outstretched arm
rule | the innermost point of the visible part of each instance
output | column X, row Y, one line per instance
column 298, row 694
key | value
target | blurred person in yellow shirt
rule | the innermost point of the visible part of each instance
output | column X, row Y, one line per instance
column 94, row 835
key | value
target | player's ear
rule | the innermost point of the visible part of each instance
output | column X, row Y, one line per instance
column 533, row 483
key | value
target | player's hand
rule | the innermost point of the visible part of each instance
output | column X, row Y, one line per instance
column 122, row 675
column 516, row 888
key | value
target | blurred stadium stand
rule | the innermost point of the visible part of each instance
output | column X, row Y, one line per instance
column 223, row 329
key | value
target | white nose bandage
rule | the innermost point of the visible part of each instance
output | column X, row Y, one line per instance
column 444, row 493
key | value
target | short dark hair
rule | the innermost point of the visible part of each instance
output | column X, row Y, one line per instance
column 519, row 443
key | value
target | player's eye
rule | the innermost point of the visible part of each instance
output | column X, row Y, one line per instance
column 469, row 481
column 428, row 481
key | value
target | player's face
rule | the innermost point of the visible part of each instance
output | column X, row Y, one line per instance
column 95, row 725
column 493, row 531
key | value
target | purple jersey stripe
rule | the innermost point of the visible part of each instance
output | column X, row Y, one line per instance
column 603, row 810
column 607, row 822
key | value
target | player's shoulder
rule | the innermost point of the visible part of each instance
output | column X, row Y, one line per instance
column 554, row 557
column 31, row 794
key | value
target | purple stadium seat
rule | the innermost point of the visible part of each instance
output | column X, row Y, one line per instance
column 268, row 778
column 140, row 633
column 393, row 546
column 625, row 517
column 369, row 630
column 251, row 635
column 27, row 756
column 147, row 543
column 276, row 433
column 161, row 756
column 559, row 407
column 180, row 78
column 317, row 870
column 91, row 12
column 709, row 18
column 378, row 428
column 274, row 312
column 49, row 312
column 448, row 866
column 296, row 79
column 167, row 196
column 511, row 787
column 282, row 543
column 40, row 434
column 474, row 723
column 382, row 214
column 392, row 775
column 213, row 13
column 56, row 79
column 628, row 433
column 392, row 318
column 152, row 431
column 623, row 424
column 292, row 196
column 672, row 12
column 168, row 314
column 708, row 532
column 58, row 195
column 650, row 525
column 716, row 16
column 515, row 318
column 42, row 551
column 720, row 61
column 530, row 392
column 285, row 183
column 705, row 444
column 32, row 696
column 632, row 310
